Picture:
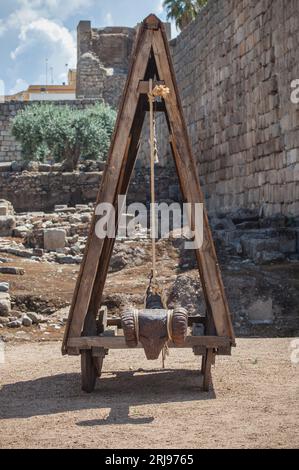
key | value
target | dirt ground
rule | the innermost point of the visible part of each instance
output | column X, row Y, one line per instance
column 254, row 401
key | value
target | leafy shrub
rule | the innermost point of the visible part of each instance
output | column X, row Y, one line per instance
column 63, row 134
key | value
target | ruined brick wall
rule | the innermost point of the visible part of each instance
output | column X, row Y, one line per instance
column 103, row 57
column 10, row 150
column 234, row 66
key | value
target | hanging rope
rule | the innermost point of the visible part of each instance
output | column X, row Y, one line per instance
column 152, row 167
column 159, row 91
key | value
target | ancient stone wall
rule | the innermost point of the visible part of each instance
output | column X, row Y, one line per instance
column 41, row 191
column 234, row 65
column 102, row 61
column 10, row 150
column 103, row 58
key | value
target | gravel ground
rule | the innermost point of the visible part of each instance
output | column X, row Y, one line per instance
column 254, row 402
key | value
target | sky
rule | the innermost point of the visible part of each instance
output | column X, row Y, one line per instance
column 33, row 31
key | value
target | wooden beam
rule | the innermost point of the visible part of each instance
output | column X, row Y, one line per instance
column 119, row 342
column 143, row 86
column 152, row 21
column 206, row 369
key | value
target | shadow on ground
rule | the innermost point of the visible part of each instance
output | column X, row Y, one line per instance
column 117, row 391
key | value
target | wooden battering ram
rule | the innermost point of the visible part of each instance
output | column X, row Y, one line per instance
column 151, row 60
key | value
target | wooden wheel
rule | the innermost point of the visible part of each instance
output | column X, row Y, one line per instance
column 89, row 371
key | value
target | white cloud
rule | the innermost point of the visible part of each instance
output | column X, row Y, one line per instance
column 45, row 30
column 2, row 27
column 20, row 85
column 63, row 9
column 43, row 39
column 160, row 8
column 20, row 17
column 109, row 19
column 54, row 9
column 26, row 11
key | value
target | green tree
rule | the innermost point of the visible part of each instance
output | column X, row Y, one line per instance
column 64, row 134
column 183, row 11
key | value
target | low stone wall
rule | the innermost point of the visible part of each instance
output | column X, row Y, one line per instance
column 41, row 191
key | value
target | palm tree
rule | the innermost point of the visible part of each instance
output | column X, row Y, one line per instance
column 183, row 11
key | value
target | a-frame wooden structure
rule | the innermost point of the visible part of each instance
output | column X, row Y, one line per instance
column 150, row 60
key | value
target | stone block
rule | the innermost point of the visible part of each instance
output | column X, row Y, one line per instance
column 293, row 156
column 26, row 321
column 3, row 208
column 252, row 247
column 261, row 311
column 269, row 257
column 7, row 225
column 287, row 242
column 21, row 231
column 5, row 304
column 4, row 286
column 11, row 270
column 54, row 239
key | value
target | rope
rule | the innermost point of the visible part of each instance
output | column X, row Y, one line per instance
column 159, row 91
column 152, row 166
column 136, row 323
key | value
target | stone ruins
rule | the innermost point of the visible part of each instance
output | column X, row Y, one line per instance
column 234, row 66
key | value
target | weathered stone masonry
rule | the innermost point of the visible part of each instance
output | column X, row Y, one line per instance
column 41, row 191
column 103, row 58
column 102, row 61
column 234, row 65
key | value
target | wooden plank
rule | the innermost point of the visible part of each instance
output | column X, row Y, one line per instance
column 118, row 342
column 187, row 172
column 207, row 363
column 107, row 190
column 152, row 22
column 143, row 86
column 203, row 362
column 199, row 350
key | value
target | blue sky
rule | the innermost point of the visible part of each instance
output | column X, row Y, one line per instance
column 33, row 30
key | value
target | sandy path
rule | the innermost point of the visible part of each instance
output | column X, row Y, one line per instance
column 255, row 401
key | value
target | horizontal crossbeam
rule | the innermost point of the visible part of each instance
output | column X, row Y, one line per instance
column 119, row 342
